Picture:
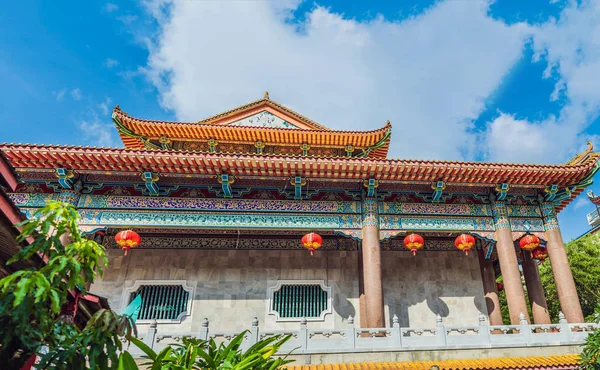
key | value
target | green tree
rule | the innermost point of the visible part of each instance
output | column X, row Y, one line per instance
column 584, row 257
column 31, row 303
column 207, row 355
column 31, row 300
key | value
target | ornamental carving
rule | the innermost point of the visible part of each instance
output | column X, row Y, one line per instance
column 430, row 245
column 263, row 119
column 219, row 205
column 342, row 244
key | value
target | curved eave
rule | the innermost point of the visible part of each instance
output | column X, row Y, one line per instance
column 184, row 131
column 106, row 159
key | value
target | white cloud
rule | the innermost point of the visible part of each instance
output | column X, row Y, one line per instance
column 110, row 63
column 582, row 201
column 59, row 95
column 104, row 106
column 110, row 7
column 76, row 94
column 571, row 46
column 430, row 74
column 97, row 132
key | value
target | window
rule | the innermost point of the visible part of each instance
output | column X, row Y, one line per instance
column 164, row 301
column 294, row 300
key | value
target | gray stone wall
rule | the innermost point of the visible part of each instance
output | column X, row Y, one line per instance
column 417, row 288
column 230, row 287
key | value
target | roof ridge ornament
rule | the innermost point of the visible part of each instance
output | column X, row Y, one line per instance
column 581, row 157
column 266, row 95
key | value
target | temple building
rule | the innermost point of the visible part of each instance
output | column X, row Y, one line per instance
column 222, row 206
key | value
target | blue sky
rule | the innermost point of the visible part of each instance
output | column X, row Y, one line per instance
column 507, row 81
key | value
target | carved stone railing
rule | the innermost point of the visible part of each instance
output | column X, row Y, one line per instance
column 395, row 338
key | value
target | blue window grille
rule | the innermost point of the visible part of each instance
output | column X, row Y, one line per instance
column 161, row 302
column 298, row 301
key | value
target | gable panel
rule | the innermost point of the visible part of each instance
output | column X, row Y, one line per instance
column 264, row 119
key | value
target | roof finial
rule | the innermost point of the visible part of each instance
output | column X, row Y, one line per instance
column 266, row 95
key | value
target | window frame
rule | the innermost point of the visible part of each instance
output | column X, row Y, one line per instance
column 280, row 283
column 127, row 291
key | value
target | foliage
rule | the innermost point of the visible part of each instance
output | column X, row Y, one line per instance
column 98, row 344
column 583, row 254
column 207, row 355
column 590, row 356
column 31, row 300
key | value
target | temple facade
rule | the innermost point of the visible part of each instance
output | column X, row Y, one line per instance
column 222, row 205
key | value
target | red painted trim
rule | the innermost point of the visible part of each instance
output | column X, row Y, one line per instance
column 7, row 174
column 30, row 362
column 10, row 210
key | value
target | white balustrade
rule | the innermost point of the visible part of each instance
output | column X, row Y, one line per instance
column 349, row 339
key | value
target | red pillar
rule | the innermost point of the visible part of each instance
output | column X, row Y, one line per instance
column 371, row 255
column 565, row 284
column 513, row 286
column 490, row 290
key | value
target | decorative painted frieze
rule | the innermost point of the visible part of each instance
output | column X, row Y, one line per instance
column 369, row 212
column 344, row 244
column 69, row 196
column 526, row 224
column 523, row 211
column 432, row 223
column 434, row 209
column 212, row 220
column 549, row 216
column 430, row 245
column 217, row 204
column 34, row 200
column 500, row 216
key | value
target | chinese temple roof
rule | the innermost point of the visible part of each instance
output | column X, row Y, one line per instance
column 561, row 362
column 574, row 176
column 265, row 123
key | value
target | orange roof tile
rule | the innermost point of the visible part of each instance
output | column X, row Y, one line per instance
column 189, row 131
column 391, row 170
column 561, row 362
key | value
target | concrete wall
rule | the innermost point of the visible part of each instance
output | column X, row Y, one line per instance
column 417, row 288
column 231, row 286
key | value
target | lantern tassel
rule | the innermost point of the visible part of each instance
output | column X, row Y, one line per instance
column 312, row 252
column 467, row 252
column 126, row 250
column 414, row 252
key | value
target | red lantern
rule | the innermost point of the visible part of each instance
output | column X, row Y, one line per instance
column 529, row 242
column 499, row 287
column 540, row 254
column 414, row 242
column 464, row 242
column 128, row 239
column 312, row 242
